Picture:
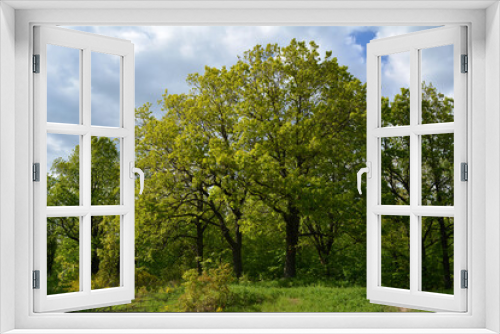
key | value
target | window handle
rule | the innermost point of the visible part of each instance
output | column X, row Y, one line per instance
column 368, row 171
column 133, row 171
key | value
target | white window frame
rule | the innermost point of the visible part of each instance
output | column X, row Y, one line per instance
column 86, row 44
column 483, row 132
column 413, row 44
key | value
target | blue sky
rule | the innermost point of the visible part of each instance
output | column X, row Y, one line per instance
column 165, row 55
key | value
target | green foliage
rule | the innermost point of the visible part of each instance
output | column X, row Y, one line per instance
column 63, row 234
column 396, row 252
column 105, row 171
column 208, row 292
column 108, row 273
column 437, row 189
column 62, row 255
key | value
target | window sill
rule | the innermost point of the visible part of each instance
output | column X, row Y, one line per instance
column 250, row 331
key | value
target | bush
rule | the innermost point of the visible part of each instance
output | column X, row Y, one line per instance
column 145, row 279
column 208, row 292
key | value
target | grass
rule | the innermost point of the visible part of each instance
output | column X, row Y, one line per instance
column 257, row 297
column 269, row 296
column 160, row 300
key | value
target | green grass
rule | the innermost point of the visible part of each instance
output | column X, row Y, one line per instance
column 313, row 298
column 160, row 300
column 270, row 296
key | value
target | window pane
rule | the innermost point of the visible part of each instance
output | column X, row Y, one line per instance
column 395, row 170
column 105, row 187
column 63, row 84
column 63, row 170
column 63, row 255
column 395, row 89
column 105, row 252
column 437, row 84
column 105, row 90
column 396, row 252
column 437, row 169
column 437, row 254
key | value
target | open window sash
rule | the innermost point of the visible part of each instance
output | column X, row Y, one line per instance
column 83, row 296
column 414, row 296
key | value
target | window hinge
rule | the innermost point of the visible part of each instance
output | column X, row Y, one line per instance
column 36, row 63
column 465, row 279
column 464, row 172
column 465, row 64
column 36, row 279
column 36, row 172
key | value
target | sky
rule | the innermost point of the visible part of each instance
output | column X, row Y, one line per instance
column 165, row 55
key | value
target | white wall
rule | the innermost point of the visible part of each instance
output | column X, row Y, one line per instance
column 492, row 164
column 7, row 160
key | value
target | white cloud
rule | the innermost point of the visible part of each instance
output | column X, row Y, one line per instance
column 60, row 146
column 437, row 68
column 395, row 73
column 165, row 55
column 436, row 65
column 390, row 31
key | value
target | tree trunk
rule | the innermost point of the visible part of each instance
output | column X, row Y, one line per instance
column 235, row 244
column 292, row 222
column 424, row 263
column 199, row 247
column 324, row 258
column 446, row 255
column 200, row 230
column 236, row 249
column 96, row 237
column 51, row 255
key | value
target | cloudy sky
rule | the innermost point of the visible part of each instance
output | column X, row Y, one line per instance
column 165, row 55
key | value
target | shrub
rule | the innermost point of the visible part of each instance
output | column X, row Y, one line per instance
column 144, row 279
column 208, row 292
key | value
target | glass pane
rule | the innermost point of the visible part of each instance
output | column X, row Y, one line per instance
column 396, row 252
column 437, row 169
column 105, row 265
column 395, row 170
column 63, row 170
column 105, row 90
column 63, row 255
column 395, row 89
column 437, row 84
column 105, row 187
column 437, row 254
column 63, row 84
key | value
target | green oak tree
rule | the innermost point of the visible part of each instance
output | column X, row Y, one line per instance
column 296, row 110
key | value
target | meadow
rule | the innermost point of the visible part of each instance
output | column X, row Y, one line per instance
column 267, row 296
